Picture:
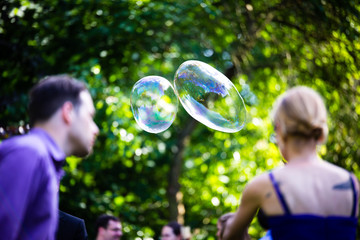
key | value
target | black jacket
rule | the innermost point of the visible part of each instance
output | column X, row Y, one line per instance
column 70, row 228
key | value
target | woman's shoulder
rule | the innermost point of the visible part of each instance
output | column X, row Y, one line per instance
column 319, row 167
column 335, row 171
column 330, row 165
column 261, row 182
column 255, row 189
column 264, row 178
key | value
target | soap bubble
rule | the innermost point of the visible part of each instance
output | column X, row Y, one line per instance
column 153, row 103
column 209, row 96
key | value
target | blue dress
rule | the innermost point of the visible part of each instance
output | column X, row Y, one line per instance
column 311, row 227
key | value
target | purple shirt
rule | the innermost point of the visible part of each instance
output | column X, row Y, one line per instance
column 30, row 167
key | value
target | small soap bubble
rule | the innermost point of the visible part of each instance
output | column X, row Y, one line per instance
column 153, row 103
column 209, row 96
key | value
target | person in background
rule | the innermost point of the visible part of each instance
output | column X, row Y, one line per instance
column 71, row 227
column 221, row 224
column 61, row 115
column 308, row 198
column 171, row 231
column 108, row 227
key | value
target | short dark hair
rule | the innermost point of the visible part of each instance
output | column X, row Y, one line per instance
column 50, row 94
column 103, row 221
column 175, row 226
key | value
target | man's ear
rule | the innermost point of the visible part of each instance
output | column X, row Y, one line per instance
column 100, row 231
column 67, row 111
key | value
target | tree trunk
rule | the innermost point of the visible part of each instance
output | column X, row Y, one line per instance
column 176, row 166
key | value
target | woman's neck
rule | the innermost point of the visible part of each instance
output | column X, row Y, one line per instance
column 304, row 158
column 306, row 154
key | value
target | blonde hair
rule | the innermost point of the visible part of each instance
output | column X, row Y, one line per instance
column 301, row 113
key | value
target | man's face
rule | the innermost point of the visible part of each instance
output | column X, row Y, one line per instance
column 84, row 130
column 112, row 232
column 168, row 234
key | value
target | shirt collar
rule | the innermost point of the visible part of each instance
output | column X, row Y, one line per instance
column 55, row 152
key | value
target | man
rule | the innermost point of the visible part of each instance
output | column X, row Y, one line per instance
column 71, row 227
column 108, row 228
column 61, row 115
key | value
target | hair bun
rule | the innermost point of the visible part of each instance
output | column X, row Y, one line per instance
column 316, row 133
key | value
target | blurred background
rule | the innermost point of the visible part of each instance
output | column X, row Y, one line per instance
column 189, row 173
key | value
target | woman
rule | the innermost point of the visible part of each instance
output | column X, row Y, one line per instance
column 308, row 198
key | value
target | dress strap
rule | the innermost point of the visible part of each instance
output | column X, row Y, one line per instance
column 353, row 212
column 280, row 196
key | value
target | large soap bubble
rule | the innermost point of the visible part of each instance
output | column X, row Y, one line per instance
column 153, row 103
column 209, row 96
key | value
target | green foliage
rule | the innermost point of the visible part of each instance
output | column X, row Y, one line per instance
column 264, row 47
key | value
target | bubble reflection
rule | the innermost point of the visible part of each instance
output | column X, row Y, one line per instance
column 209, row 96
